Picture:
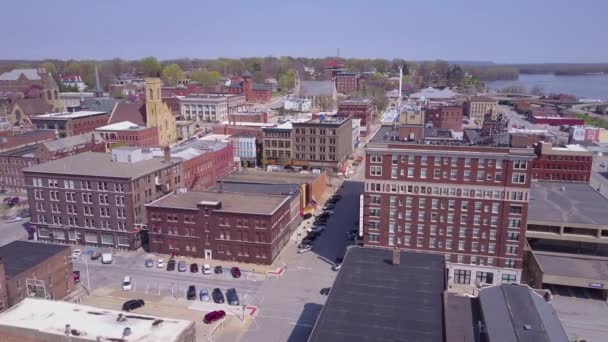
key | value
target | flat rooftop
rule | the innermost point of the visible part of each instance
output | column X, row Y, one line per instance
column 325, row 120
column 462, row 314
column 25, row 151
column 95, row 164
column 69, row 115
column 122, row 126
column 356, row 101
column 374, row 300
column 19, row 256
column 572, row 265
column 235, row 202
column 257, row 188
column 50, row 317
column 267, row 177
column 562, row 202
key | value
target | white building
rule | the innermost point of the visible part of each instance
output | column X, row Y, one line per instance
column 297, row 104
column 210, row 107
column 73, row 81
column 73, row 99
column 356, row 132
column 245, row 148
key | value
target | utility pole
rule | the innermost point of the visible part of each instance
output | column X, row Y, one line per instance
column 86, row 265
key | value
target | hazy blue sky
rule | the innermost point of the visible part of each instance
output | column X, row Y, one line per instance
column 496, row 30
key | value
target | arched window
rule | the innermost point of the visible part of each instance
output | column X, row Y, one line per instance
column 48, row 95
column 56, row 95
column 151, row 94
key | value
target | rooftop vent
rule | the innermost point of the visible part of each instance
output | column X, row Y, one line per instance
column 126, row 331
column 121, row 318
column 527, row 327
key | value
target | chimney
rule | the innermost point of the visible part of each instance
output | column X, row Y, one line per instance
column 167, row 154
column 396, row 257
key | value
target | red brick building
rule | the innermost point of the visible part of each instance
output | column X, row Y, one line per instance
column 241, row 227
column 358, row 108
column 346, row 82
column 10, row 140
column 128, row 133
column 12, row 162
column 449, row 116
column 571, row 163
column 69, row 124
column 256, row 92
column 253, row 117
column 332, row 67
column 468, row 203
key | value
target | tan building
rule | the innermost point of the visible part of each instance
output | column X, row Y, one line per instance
column 322, row 143
column 278, row 148
column 478, row 106
column 159, row 114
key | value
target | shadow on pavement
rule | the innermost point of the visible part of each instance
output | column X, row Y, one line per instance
column 303, row 327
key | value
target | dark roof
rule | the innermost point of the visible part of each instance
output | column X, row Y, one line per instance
column 482, row 99
column 261, row 86
column 462, row 314
column 374, row 300
column 564, row 202
column 25, row 151
column 515, row 313
column 265, row 177
column 573, row 266
column 134, row 112
column 19, row 256
column 34, row 106
column 247, row 74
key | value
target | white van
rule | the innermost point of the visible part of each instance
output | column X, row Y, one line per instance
column 106, row 258
column 126, row 283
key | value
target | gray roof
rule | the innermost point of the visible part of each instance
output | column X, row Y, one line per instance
column 265, row 177
column 572, row 265
column 316, row 88
column 101, row 104
column 100, row 165
column 374, row 300
column 31, row 74
column 261, row 86
column 508, row 308
column 76, row 140
column 230, row 201
column 577, row 203
column 461, row 317
column 256, row 188
column 19, row 256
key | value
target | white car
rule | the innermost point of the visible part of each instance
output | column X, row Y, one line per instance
column 76, row 254
column 315, row 229
column 126, row 283
column 206, row 269
column 304, row 249
column 336, row 267
column 14, row 219
column 160, row 263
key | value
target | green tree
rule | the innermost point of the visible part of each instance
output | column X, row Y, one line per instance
column 258, row 77
column 151, row 66
column 172, row 74
column 50, row 67
column 287, row 80
column 205, row 78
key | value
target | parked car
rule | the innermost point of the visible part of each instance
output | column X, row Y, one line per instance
column 133, row 304
column 76, row 277
column 307, row 241
column 236, row 272
column 338, row 265
column 149, row 263
column 126, row 283
column 217, row 295
column 171, row 265
column 325, row 291
column 329, row 212
column 194, row 268
column 182, row 266
column 603, row 164
column 160, row 263
column 191, row 293
column 315, row 229
column 307, row 216
column 206, row 269
column 14, row 219
column 203, row 295
column 313, row 235
column 304, row 249
column 13, row 201
column 232, row 297
column 214, row 316
column 218, row 270
column 329, row 207
column 76, row 253
column 24, row 213
column 96, row 255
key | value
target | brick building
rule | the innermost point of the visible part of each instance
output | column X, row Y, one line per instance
column 128, row 133
column 98, row 199
column 256, row 92
column 278, row 147
column 347, row 82
column 358, row 108
column 324, row 142
column 445, row 116
column 12, row 162
column 68, row 124
column 10, row 140
column 29, row 269
column 332, row 67
column 571, row 163
column 257, row 117
column 241, row 227
column 478, row 106
column 466, row 202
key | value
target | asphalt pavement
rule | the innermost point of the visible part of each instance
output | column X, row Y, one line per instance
column 14, row 231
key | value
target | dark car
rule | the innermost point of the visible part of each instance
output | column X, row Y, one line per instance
column 194, row 268
column 214, row 316
column 133, row 304
column 191, row 294
column 307, row 242
column 307, row 216
column 218, row 270
column 325, row 291
column 232, row 297
column 217, row 295
column 171, row 265
column 96, row 256
column 313, row 235
column 236, row 272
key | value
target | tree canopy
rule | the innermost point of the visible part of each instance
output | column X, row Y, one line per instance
column 172, row 74
column 151, row 66
column 205, row 78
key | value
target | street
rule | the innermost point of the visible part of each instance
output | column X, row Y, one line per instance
column 518, row 119
column 10, row 232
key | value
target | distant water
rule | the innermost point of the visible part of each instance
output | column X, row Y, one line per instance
column 582, row 86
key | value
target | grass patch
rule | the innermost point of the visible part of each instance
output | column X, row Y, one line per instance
column 593, row 121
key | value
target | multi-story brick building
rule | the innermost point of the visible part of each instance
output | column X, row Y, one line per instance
column 211, row 107
column 257, row 117
column 128, row 133
column 571, row 163
column 347, row 82
column 68, row 124
column 278, row 146
column 445, row 116
column 98, row 199
column 479, row 106
column 466, row 202
column 256, row 92
column 322, row 143
column 29, row 269
column 10, row 140
column 14, row 161
column 242, row 227
column 358, row 108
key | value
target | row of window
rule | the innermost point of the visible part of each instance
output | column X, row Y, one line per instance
column 464, row 277
column 399, row 187
column 452, row 161
column 84, row 185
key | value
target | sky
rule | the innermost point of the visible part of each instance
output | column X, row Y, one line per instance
column 514, row 31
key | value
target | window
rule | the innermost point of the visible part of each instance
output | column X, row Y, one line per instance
column 453, row 174
column 519, row 178
column 373, row 237
column 495, row 208
column 484, row 277
column 461, row 245
column 54, row 195
column 511, row 249
column 510, row 263
column 436, row 174
column 515, row 210
column 376, row 158
column 462, row 276
column 410, row 172
column 520, row 164
column 375, row 170
column 514, row 223
column 509, row 278
column 423, row 173
column 394, row 159
column 513, row 236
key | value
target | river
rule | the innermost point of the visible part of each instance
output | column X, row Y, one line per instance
column 582, row 86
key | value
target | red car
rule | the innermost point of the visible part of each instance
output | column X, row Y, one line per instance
column 236, row 272
column 76, row 277
column 214, row 316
